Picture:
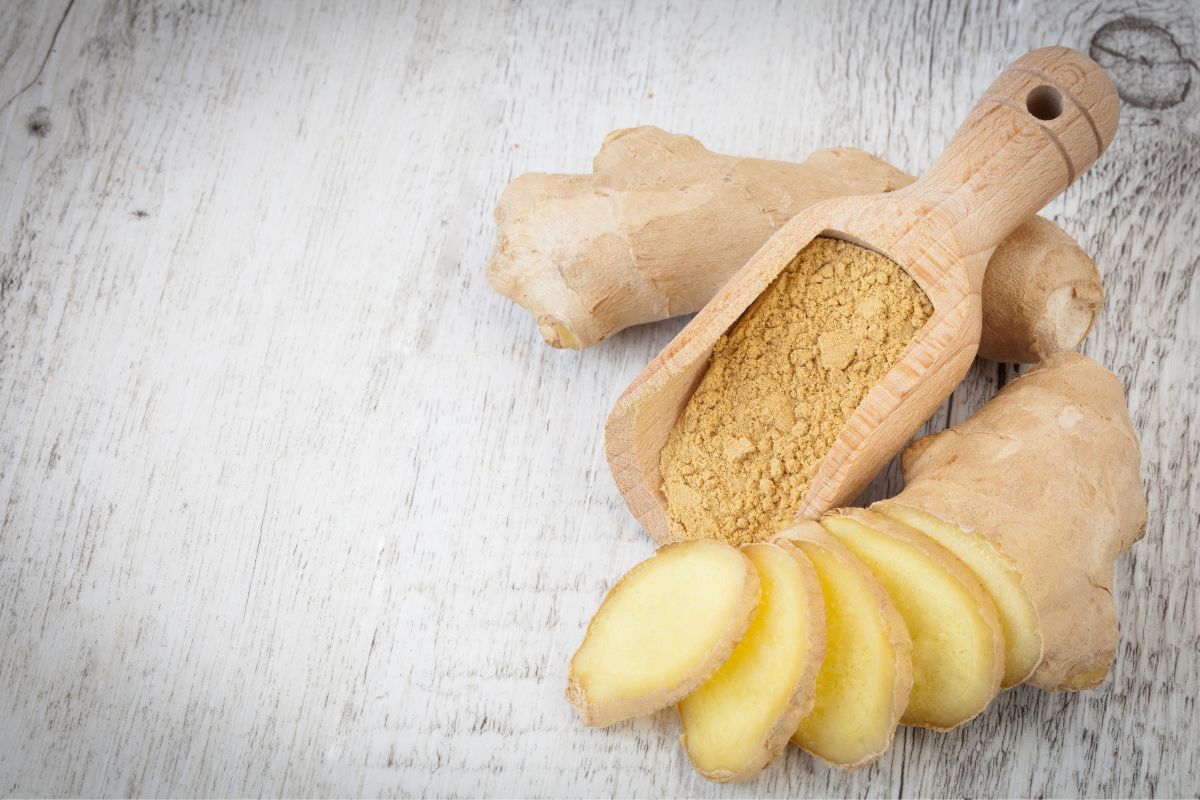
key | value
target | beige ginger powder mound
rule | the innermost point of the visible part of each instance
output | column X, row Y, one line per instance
column 780, row 386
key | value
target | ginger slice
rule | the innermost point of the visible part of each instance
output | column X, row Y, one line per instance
column 662, row 630
column 957, row 638
column 1018, row 616
column 742, row 717
column 864, row 682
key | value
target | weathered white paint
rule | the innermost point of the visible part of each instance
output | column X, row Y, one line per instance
column 293, row 504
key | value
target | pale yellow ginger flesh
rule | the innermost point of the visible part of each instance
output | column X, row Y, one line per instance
column 958, row 643
column 864, row 682
column 663, row 630
column 741, row 718
column 1018, row 617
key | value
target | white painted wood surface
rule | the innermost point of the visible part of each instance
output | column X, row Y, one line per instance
column 293, row 504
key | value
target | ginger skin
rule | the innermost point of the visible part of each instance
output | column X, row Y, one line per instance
column 662, row 223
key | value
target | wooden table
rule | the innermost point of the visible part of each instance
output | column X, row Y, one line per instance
column 294, row 504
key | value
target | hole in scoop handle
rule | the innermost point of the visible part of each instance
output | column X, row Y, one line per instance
column 1038, row 126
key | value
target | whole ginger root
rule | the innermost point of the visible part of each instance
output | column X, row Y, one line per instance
column 1048, row 472
column 662, row 223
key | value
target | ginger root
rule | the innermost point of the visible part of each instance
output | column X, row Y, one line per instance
column 1047, row 474
column 663, row 223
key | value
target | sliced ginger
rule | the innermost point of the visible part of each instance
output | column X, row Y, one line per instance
column 663, row 630
column 742, row 717
column 957, row 638
column 864, row 682
column 1018, row 617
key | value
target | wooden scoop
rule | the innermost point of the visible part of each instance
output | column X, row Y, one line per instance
column 1043, row 121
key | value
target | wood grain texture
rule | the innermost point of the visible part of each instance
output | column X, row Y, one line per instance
column 293, row 504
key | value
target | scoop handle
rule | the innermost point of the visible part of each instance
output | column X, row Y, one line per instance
column 1038, row 126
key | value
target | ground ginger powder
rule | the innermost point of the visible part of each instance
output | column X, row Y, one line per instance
column 780, row 386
